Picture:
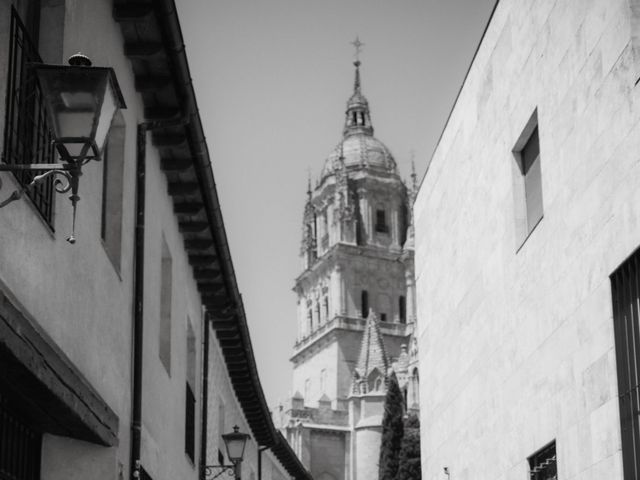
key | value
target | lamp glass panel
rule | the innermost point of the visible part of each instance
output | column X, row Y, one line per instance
column 106, row 114
column 73, row 96
column 235, row 445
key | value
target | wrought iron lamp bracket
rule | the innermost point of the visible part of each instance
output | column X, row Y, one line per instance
column 214, row 471
column 68, row 174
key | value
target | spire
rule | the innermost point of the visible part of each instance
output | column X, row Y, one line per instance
column 372, row 352
column 358, row 119
column 414, row 177
column 309, row 186
column 356, row 82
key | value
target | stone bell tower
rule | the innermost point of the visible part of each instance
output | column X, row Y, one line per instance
column 355, row 299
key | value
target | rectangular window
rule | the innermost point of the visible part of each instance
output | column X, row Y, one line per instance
column 530, row 157
column 112, row 183
column 625, row 292
column 190, row 424
column 27, row 137
column 364, row 304
column 542, row 464
column 190, row 409
column 402, row 309
column 166, row 290
column 527, row 181
column 383, row 317
column 381, row 222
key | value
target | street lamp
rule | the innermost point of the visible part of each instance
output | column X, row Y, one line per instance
column 80, row 101
column 235, row 443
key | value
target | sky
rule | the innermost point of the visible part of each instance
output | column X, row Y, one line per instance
column 272, row 78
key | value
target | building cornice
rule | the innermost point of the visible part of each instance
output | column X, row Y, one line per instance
column 341, row 323
column 168, row 94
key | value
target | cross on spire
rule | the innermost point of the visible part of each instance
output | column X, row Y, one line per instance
column 358, row 46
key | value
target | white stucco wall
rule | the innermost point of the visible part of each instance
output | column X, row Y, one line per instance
column 85, row 304
column 223, row 401
column 516, row 345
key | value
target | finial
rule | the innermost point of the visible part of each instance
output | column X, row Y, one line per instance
column 414, row 182
column 309, row 183
column 80, row 60
column 358, row 44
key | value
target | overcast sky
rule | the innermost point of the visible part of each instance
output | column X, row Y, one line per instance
column 272, row 78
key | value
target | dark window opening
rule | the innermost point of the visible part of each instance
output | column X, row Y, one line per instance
column 404, row 224
column 190, row 424
column 27, row 137
column 383, row 317
column 542, row 465
column 402, row 309
column 364, row 303
column 381, row 222
column 625, row 292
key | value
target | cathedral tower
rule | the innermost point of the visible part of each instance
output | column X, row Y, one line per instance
column 356, row 307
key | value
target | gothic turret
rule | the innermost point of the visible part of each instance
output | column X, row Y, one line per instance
column 370, row 374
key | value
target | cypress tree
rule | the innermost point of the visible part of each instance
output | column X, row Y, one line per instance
column 409, row 468
column 392, row 431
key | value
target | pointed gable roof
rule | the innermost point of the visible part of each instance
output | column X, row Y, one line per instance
column 372, row 352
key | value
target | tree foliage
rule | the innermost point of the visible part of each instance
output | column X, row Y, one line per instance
column 392, row 431
column 409, row 461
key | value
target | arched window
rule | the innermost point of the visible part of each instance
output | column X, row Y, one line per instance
column 374, row 381
column 326, row 308
column 415, row 382
column 364, row 303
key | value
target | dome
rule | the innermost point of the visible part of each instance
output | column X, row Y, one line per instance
column 361, row 150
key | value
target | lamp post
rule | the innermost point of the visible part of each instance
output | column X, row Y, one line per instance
column 80, row 101
column 235, row 443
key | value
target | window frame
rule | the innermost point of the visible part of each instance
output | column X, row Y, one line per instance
column 524, row 226
column 539, row 458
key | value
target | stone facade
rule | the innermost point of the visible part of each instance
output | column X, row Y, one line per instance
column 516, row 335
column 356, row 307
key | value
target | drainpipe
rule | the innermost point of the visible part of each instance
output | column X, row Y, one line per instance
column 138, row 295
column 205, row 396
column 260, row 450
column 138, row 287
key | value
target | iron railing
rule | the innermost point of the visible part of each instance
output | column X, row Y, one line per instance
column 27, row 137
column 625, row 291
column 543, row 465
column 20, row 446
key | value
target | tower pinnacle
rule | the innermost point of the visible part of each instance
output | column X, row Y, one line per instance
column 358, row 119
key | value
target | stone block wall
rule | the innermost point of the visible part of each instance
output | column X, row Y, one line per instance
column 516, row 335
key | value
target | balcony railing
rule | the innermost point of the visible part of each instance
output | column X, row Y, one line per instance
column 27, row 137
column 350, row 323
